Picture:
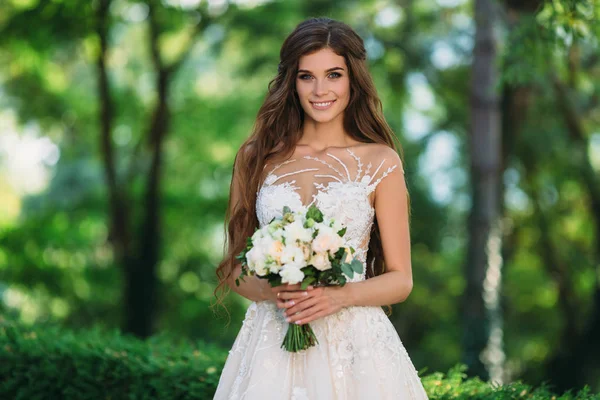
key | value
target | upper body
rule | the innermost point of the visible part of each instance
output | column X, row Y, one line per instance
column 341, row 158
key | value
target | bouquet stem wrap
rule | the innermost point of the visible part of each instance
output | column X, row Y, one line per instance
column 298, row 338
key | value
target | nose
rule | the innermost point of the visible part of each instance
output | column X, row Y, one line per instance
column 320, row 87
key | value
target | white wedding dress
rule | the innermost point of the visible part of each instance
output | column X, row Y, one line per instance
column 359, row 355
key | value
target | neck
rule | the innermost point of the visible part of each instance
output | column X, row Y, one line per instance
column 320, row 135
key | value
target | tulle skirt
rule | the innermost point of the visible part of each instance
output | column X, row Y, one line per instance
column 359, row 356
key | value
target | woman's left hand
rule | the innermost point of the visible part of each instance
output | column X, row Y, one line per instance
column 320, row 302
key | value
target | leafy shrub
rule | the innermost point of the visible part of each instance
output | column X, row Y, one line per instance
column 49, row 362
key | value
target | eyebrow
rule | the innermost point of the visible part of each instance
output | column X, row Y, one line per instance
column 329, row 70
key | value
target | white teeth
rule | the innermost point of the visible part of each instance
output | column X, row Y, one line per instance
column 323, row 104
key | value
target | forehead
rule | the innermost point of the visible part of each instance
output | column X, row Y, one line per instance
column 321, row 60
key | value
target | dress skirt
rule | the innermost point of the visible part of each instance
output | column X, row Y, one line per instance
column 359, row 356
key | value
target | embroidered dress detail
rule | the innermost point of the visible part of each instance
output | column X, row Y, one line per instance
column 359, row 355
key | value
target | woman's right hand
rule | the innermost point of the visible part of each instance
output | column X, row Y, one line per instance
column 286, row 296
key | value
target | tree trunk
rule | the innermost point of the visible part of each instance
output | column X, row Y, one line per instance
column 570, row 367
column 140, row 277
column 482, row 339
column 138, row 255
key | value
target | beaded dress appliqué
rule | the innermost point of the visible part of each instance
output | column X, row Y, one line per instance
column 359, row 355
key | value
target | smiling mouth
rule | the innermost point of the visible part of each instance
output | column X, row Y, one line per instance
column 322, row 105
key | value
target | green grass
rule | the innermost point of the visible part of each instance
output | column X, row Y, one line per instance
column 49, row 362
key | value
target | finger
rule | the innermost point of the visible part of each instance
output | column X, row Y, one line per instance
column 290, row 288
column 312, row 318
column 291, row 303
column 315, row 292
column 292, row 319
column 283, row 304
column 295, row 295
column 286, row 303
column 283, row 288
column 301, row 306
column 279, row 292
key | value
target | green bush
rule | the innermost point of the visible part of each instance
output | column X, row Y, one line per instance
column 48, row 362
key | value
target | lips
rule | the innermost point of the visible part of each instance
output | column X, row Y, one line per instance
column 322, row 105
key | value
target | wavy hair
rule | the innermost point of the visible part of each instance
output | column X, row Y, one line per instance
column 278, row 129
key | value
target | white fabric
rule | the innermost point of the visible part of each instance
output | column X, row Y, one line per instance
column 359, row 355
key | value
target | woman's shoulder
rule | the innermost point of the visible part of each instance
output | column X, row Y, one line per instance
column 379, row 153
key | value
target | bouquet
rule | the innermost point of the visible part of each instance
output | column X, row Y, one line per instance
column 300, row 247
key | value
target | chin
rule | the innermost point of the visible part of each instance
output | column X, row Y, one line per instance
column 322, row 117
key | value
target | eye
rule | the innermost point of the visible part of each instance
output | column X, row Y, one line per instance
column 335, row 75
column 304, row 76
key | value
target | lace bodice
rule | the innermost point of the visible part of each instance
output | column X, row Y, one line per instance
column 339, row 184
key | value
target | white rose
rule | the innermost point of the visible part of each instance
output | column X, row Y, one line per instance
column 306, row 250
column 257, row 235
column 256, row 261
column 296, row 231
column 320, row 261
column 327, row 239
column 291, row 274
column 278, row 234
column 292, row 254
column 273, row 266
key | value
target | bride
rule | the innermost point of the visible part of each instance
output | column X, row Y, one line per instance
column 321, row 138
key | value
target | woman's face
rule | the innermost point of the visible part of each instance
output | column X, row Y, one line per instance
column 323, row 85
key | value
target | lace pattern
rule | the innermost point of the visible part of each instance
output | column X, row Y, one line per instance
column 344, row 198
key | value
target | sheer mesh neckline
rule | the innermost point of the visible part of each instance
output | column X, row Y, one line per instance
column 299, row 178
column 340, row 173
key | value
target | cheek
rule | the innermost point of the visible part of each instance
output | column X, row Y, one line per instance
column 343, row 89
column 303, row 91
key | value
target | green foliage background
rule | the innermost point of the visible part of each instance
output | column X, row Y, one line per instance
column 56, row 261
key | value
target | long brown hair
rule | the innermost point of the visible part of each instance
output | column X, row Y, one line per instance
column 278, row 129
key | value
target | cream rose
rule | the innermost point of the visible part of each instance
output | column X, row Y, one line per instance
column 320, row 261
column 327, row 239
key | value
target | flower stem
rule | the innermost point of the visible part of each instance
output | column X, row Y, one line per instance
column 298, row 338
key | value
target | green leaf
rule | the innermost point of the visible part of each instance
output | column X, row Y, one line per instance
column 346, row 269
column 357, row 266
column 314, row 213
column 274, row 280
column 342, row 231
column 307, row 281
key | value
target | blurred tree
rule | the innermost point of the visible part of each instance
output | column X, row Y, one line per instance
column 483, row 350
column 137, row 251
column 552, row 41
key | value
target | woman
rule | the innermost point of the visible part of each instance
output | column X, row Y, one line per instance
column 321, row 138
